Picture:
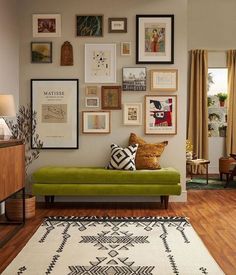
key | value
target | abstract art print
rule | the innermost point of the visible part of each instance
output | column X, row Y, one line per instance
column 100, row 63
column 89, row 25
column 161, row 115
column 41, row 52
column 46, row 25
column 96, row 122
column 155, row 39
column 134, row 79
column 55, row 102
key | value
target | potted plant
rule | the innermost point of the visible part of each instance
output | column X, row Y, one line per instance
column 23, row 129
column 222, row 97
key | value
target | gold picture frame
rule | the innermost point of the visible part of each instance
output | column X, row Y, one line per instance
column 165, row 80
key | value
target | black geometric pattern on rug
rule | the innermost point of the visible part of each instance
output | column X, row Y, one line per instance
column 123, row 158
column 52, row 264
column 21, row 270
column 204, row 270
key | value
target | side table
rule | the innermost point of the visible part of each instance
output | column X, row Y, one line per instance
column 196, row 162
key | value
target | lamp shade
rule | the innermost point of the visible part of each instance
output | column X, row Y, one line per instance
column 7, row 106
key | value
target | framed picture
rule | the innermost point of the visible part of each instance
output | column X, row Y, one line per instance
column 134, row 79
column 46, row 25
column 117, row 25
column 92, row 102
column 91, row 91
column 160, row 115
column 89, row 25
column 41, row 52
column 125, row 48
column 56, row 103
column 96, row 122
column 154, row 39
column 165, row 80
column 111, row 97
column 100, row 63
column 132, row 113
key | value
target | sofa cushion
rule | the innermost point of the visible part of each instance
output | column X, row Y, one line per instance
column 96, row 175
column 148, row 154
column 123, row 158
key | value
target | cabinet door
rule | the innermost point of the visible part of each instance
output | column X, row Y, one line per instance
column 12, row 170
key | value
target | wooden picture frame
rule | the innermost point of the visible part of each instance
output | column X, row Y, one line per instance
column 117, row 25
column 41, row 52
column 125, row 48
column 111, row 97
column 96, row 122
column 92, row 102
column 155, row 39
column 46, row 25
column 56, row 103
column 161, row 115
column 134, row 79
column 165, row 80
column 132, row 113
column 91, row 91
column 89, row 25
column 100, row 63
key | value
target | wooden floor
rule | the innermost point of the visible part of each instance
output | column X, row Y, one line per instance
column 212, row 213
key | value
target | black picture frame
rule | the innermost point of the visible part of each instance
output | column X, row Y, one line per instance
column 155, row 39
column 57, row 112
column 41, row 52
column 90, row 25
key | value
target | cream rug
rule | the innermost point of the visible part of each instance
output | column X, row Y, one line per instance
column 114, row 246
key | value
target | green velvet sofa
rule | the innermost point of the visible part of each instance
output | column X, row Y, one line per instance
column 90, row 181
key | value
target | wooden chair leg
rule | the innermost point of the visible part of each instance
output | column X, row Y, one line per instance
column 166, row 201
column 221, row 176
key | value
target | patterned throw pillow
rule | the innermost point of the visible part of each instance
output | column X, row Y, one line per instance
column 148, row 154
column 123, row 158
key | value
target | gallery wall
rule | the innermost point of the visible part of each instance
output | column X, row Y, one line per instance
column 94, row 149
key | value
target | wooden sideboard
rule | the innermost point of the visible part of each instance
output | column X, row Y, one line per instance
column 12, row 175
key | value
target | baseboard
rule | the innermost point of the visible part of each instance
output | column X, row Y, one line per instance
column 181, row 198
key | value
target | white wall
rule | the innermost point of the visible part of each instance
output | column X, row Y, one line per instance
column 94, row 149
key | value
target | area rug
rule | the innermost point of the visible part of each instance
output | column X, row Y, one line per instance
column 213, row 184
column 114, row 246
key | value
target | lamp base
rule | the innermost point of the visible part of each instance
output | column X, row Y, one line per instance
column 5, row 133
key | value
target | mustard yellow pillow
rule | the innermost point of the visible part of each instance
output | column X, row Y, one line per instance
column 148, row 154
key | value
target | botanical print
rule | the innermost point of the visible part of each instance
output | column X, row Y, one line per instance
column 101, row 63
column 96, row 122
column 54, row 113
column 132, row 114
column 89, row 25
column 110, row 98
column 155, row 38
column 134, row 79
column 46, row 25
column 41, row 52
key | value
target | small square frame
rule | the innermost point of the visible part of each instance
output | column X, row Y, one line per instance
column 41, row 55
column 132, row 113
column 125, row 48
column 91, row 91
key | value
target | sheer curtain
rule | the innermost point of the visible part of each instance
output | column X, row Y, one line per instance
column 231, row 118
column 197, row 107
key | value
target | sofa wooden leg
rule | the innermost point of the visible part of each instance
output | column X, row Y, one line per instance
column 166, row 200
column 162, row 200
column 47, row 199
column 52, row 199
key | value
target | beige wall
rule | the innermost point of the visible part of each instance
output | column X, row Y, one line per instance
column 9, row 48
column 94, row 149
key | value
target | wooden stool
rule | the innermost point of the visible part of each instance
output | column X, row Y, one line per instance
column 224, row 166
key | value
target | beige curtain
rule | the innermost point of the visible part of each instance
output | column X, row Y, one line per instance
column 231, row 117
column 197, row 131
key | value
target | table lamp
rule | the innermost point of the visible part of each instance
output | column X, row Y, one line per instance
column 7, row 109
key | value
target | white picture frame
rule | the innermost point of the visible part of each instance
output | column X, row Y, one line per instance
column 46, row 25
column 92, row 102
column 165, row 80
column 100, row 63
column 132, row 113
column 96, row 122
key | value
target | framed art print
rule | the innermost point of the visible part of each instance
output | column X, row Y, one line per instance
column 41, row 52
column 100, row 63
column 125, row 48
column 154, row 39
column 111, row 97
column 134, row 79
column 55, row 102
column 92, row 102
column 160, row 115
column 91, row 91
column 117, row 25
column 165, row 80
column 96, row 122
column 46, row 25
column 89, row 25
column 132, row 113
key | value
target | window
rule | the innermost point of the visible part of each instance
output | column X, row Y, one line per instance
column 217, row 107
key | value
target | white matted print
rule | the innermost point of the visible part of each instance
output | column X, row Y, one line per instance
column 46, row 25
column 91, row 91
column 91, row 102
column 161, row 115
column 165, row 80
column 132, row 113
column 125, row 48
column 96, row 122
column 100, row 63
column 134, row 79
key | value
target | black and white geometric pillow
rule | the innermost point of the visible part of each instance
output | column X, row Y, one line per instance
column 123, row 158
